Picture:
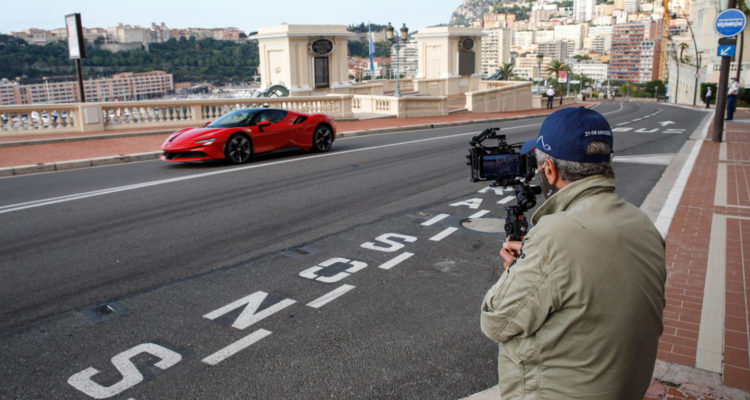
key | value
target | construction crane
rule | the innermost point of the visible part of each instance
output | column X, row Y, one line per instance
column 664, row 43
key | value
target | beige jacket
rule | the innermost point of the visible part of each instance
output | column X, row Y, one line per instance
column 578, row 315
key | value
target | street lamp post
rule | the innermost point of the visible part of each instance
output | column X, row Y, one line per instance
column 396, row 41
column 539, row 59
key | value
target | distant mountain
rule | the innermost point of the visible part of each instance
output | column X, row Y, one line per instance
column 469, row 11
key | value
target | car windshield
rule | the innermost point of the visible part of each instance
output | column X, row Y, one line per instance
column 234, row 119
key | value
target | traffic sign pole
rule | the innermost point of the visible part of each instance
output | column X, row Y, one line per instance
column 725, row 27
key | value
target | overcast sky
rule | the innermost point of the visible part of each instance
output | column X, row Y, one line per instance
column 248, row 15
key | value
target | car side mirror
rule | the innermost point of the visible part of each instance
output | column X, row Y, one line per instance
column 263, row 124
column 207, row 122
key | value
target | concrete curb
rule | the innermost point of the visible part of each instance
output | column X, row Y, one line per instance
column 74, row 164
column 120, row 159
column 71, row 139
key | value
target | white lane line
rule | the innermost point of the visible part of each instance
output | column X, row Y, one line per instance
column 435, row 219
column 330, row 296
column 622, row 123
column 720, row 193
column 396, row 260
column 506, row 200
column 236, row 347
column 479, row 214
column 710, row 348
column 664, row 219
column 442, row 235
column 79, row 196
column 522, row 126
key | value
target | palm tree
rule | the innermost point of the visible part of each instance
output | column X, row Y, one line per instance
column 507, row 70
column 555, row 66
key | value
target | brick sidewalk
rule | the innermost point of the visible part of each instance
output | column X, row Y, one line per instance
column 706, row 317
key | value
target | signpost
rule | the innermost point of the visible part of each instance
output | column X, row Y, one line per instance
column 728, row 23
column 76, row 46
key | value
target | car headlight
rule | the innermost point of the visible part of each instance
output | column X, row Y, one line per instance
column 205, row 142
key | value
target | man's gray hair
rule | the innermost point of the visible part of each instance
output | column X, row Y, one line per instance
column 572, row 171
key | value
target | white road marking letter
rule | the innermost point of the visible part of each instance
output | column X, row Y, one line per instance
column 442, row 235
column 312, row 272
column 131, row 376
column 330, row 296
column 497, row 189
column 236, row 347
column 622, row 129
column 249, row 314
column 396, row 260
column 644, row 130
column 435, row 219
column 665, row 123
column 471, row 203
column 674, row 130
column 506, row 200
column 386, row 238
column 479, row 214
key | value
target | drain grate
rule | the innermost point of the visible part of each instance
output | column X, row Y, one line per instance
column 104, row 311
column 301, row 252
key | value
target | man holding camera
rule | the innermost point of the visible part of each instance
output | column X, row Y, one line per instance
column 577, row 311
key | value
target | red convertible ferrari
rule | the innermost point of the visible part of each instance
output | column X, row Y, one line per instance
column 237, row 135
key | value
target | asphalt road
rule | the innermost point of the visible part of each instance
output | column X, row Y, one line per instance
column 342, row 275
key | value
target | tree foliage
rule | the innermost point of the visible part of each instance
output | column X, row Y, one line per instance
column 362, row 27
column 215, row 61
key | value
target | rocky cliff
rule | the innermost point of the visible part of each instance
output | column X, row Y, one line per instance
column 470, row 10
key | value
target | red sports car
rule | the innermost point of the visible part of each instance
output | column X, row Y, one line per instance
column 237, row 135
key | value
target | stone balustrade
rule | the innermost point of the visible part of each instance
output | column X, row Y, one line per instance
column 500, row 96
column 89, row 117
column 541, row 101
column 401, row 107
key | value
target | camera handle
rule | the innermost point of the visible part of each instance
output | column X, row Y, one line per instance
column 516, row 224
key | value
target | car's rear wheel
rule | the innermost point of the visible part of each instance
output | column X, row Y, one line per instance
column 238, row 149
column 322, row 139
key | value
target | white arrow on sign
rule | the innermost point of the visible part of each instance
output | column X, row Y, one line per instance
column 724, row 52
column 665, row 123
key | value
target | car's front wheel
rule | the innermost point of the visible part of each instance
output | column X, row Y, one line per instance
column 238, row 149
column 322, row 139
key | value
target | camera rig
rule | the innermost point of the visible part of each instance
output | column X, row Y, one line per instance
column 504, row 164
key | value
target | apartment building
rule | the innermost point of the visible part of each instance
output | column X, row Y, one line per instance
column 124, row 86
column 495, row 49
column 408, row 58
column 557, row 50
column 527, row 66
column 573, row 33
column 591, row 70
column 583, row 10
column 635, row 52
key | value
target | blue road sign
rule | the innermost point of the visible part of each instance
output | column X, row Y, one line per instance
column 725, row 51
column 730, row 22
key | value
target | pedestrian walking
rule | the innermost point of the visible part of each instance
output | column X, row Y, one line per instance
column 734, row 88
column 578, row 309
column 708, row 97
column 550, row 97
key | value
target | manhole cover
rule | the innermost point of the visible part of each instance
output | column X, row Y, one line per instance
column 301, row 252
column 487, row 225
column 104, row 311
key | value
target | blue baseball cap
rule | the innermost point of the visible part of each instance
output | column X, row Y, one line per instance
column 566, row 132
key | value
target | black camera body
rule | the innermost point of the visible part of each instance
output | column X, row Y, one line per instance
column 504, row 164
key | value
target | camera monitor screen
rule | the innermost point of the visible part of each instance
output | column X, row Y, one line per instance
column 502, row 165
